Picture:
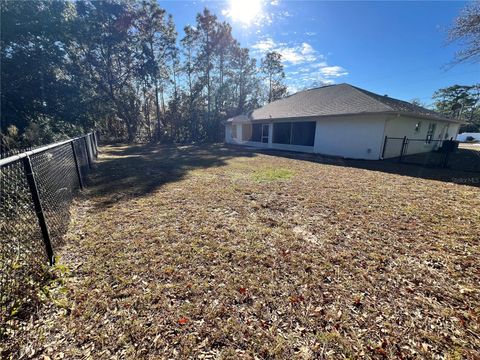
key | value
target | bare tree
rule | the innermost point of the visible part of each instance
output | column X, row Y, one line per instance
column 466, row 30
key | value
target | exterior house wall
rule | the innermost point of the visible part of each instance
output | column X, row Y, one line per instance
column 359, row 136
column 400, row 126
column 229, row 139
column 228, row 133
column 356, row 137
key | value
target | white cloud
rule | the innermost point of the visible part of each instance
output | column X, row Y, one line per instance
column 265, row 45
column 310, row 33
column 317, row 65
column 291, row 55
column 305, row 67
column 292, row 89
column 274, row 2
column 307, row 49
column 333, row 71
column 299, row 54
column 314, row 74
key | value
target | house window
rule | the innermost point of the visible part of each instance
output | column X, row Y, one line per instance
column 234, row 131
column 430, row 133
column 417, row 126
column 294, row 133
column 257, row 132
column 246, row 132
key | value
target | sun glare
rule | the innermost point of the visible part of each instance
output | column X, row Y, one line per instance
column 245, row 11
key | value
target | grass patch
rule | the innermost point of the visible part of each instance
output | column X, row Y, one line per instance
column 272, row 174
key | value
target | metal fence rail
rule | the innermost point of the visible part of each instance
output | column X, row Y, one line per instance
column 431, row 153
column 36, row 189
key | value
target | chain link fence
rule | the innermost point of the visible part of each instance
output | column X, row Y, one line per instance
column 431, row 153
column 36, row 190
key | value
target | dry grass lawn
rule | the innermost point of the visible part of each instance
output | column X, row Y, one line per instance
column 214, row 253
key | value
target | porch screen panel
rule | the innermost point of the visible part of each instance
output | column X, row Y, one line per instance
column 282, row 133
column 257, row 132
column 303, row 133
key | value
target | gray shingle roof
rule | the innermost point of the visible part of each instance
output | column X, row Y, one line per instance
column 341, row 99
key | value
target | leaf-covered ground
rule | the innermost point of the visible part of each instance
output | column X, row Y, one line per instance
column 208, row 252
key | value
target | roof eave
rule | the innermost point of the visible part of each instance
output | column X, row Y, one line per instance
column 427, row 116
column 404, row 113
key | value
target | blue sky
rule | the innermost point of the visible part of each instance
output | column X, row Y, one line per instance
column 394, row 48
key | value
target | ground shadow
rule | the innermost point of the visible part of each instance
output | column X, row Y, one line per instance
column 132, row 171
column 388, row 166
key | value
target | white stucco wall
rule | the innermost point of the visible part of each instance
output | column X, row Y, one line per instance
column 356, row 137
column 400, row 126
column 228, row 133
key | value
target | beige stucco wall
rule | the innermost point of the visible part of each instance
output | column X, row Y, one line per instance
column 400, row 126
column 355, row 136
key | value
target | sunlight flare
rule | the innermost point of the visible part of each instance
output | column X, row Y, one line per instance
column 245, row 11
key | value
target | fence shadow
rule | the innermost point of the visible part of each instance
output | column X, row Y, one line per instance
column 125, row 171
column 388, row 166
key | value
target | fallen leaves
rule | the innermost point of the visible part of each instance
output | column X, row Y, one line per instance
column 183, row 321
column 203, row 259
column 242, row 290
column 296, row 299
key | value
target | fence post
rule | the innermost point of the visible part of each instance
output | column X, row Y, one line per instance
column 96, row 141
column 79, row 174
column 89, row 160
column 38, row 208
column 384, row 146
column 404, row 142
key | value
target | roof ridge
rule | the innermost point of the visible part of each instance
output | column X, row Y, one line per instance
column 382, row 97
column 369, row 94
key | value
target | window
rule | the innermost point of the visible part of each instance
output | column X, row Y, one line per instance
column 246, row 132
column 303, row 133
column 430, row 133
column 295, row 133
column 234, row 131
column 257, row 132
column 417, row 126
column 282, row 133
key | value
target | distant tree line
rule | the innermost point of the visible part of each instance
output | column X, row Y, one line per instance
column 120, row 67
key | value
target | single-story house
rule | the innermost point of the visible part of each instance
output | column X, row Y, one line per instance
column 340, row 120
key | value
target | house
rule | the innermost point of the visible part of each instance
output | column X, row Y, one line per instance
column 340, row 120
